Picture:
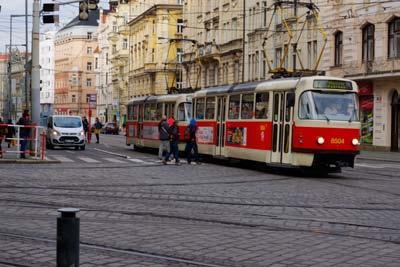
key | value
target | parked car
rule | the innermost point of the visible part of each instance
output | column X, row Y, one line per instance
column 110, row 128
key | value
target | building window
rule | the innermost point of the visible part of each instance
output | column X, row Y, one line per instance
column 114, row 49
column 89, row 66
column 368, row 34
column 96, row 63
column 179, row 55
column 125, row 44
column 278, row 57
column 89, row 50
column 89, row 35
column 73, row 100
column 179, row 26
column 338, row 48
column 88, row 82
column 265, row 9
column 394, row 38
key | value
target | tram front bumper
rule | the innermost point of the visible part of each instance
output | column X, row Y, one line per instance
column 334, row 159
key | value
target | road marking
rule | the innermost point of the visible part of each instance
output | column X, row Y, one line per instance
column 62, row 159
column 88, row 160
column 137, row 160
column 374, row 166
column 114, row 160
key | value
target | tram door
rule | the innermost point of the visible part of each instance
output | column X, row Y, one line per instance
column 221, row 119
column 140, row 121
column 283, row 103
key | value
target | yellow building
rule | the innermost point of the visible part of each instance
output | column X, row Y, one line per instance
column 156, row 53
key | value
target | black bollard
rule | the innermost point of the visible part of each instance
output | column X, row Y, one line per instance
column 68, row 238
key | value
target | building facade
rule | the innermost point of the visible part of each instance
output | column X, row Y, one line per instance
column 364, row 45
column 156, row 52
column 47, row 72
column 102, row 68
column 3, row 86
column 75, row 78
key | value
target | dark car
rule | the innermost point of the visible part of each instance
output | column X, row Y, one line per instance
column 110, row 128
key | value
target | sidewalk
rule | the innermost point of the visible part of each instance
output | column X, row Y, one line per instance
column 380, row 156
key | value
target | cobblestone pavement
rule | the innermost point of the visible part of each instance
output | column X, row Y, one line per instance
column 137, row 212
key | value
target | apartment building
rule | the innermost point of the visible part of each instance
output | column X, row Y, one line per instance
column 155, row 45
column 4, row 86
column 102, row 66
column 364, row 45
column 47, row 72
column 75, row 78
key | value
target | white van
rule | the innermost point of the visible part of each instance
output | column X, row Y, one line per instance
column 65, row 131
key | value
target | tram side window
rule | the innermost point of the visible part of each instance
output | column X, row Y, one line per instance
column 247, row 106
column 262, row 104
column 305, row 106
column 159, row 112
column 234, row 107
column 181, row 112
column 147, row 112
column 153, row 109
column 200, row 108
column 169, row 109
column 132, row 112
column 210, row 108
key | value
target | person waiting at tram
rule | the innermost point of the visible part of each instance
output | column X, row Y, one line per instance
column 163, row 131
column 246, row 113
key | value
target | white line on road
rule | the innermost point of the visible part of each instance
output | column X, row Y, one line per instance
column 137, row 160
column 112, row 153
column 374, row 166
column 114, row 160
column 62, row 159
column 88, row 160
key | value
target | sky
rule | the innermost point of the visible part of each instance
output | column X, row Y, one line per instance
column 17, row 7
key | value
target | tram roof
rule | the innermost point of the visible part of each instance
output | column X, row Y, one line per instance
column 159, row 98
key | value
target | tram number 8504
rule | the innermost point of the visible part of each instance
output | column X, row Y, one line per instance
column 337, row 141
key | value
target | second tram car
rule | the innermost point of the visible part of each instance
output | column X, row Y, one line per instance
column 145, row 113
column 304, row 121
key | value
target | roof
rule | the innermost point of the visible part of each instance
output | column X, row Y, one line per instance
column 94, row 16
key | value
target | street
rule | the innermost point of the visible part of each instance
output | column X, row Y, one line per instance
column 137, row 212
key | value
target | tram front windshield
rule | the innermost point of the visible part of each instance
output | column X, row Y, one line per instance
column 328, row 105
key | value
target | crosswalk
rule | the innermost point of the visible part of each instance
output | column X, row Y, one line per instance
column 101, row 160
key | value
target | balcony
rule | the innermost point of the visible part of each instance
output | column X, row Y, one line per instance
column 123, row 29
column 113, row 36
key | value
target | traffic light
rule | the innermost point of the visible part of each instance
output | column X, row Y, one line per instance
column 83, row 10
column 49, row 16
column 93, row 4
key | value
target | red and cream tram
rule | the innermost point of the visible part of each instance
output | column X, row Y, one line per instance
column 145, row 113
column 305, row 122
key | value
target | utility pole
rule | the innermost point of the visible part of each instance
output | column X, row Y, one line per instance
column 9, row 73
column 26, row 56
column 35, row 63
column 244, row 38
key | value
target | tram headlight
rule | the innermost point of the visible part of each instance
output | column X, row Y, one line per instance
column 320, row 140
column 355, row 142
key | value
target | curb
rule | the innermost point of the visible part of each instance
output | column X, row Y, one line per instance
column 28, row 161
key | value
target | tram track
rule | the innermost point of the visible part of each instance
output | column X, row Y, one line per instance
column 110, row 249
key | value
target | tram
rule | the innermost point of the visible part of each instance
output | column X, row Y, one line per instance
column 145, row 113
column 302, row 121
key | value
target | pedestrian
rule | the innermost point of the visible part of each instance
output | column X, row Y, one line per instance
column 3, row 133
column 191, row 144
column 24, row 132
column 163, row 131
column 97, row 128
column 85, row 125
column 10, row 134
column 174, row 141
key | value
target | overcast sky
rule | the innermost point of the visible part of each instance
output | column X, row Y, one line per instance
column 17, row 7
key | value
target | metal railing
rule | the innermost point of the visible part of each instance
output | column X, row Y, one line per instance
column 30, row 138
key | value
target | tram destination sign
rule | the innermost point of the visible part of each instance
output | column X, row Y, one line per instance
column 333, row 84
